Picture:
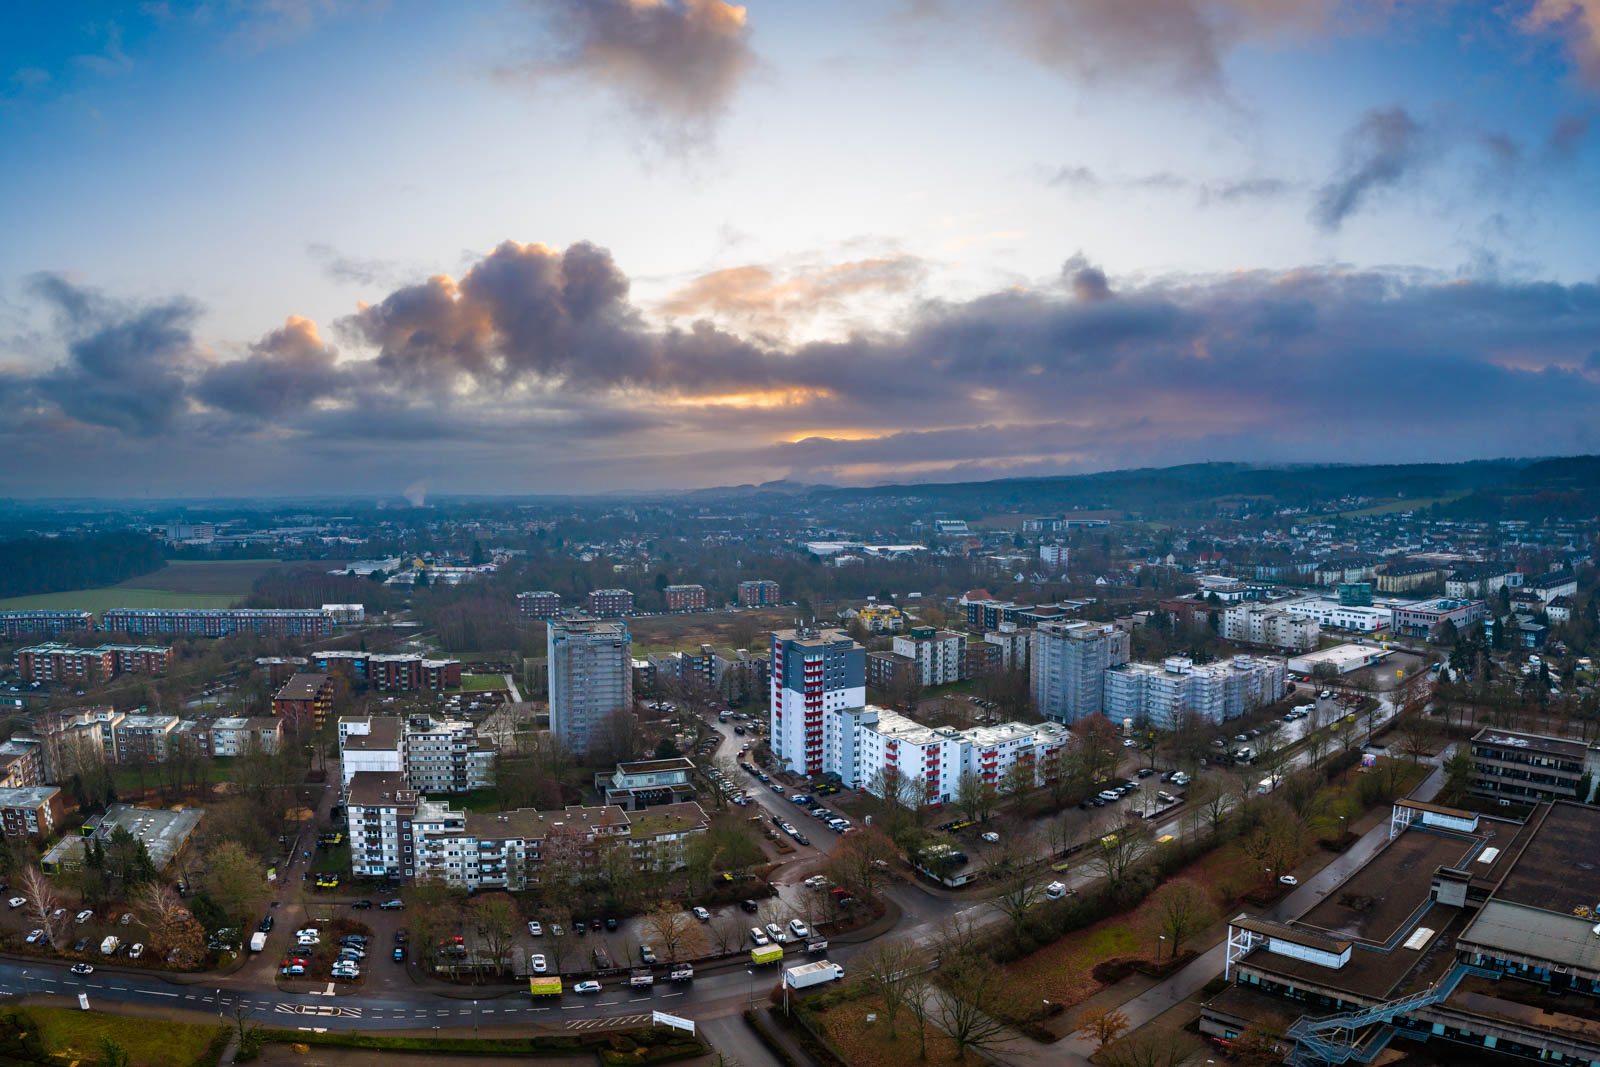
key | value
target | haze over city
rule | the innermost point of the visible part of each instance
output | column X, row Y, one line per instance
column 640, row 244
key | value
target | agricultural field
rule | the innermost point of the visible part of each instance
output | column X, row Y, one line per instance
column 180, row 584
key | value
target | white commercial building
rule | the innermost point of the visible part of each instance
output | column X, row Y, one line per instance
column 937, row 653
column 1333, row 615
column 1155, row 693
column 1257, row 624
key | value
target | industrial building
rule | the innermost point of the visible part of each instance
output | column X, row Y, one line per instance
column 1462, row 930
column 165, row 833
column 1343, row 659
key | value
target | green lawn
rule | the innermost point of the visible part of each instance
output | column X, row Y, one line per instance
column 76, row 1035
column 482, row 683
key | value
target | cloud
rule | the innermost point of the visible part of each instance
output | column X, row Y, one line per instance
column 1378, row 153
column 111, row 59
column 676, row 64
column 289, row 368
column 1221, row 191
column 354, row 270
column 534, row 370
column 773, row 300
column 125, row 366
column 1577, row 22
column 1567, row 137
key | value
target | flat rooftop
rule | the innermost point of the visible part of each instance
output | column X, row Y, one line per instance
column 1375, row 903
column 1555, row 746
column 1559, row 869
column 1345, row 658
column 163, row 832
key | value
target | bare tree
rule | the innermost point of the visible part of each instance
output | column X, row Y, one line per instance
column 679, row 934
column 971, row 988
column 1104, row 1024
column 728, row 932
column 889, row 969
column 44, row 904
column 1124, row 844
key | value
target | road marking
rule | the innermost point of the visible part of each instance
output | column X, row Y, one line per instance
column 679, row 993
column 158, row 993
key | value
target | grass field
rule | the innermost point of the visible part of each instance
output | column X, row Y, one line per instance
column 76, row 1035
column 482, row 683
column 180, row 584
column 737, row 629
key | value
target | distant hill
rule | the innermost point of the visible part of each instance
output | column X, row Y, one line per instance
column 1167, row 488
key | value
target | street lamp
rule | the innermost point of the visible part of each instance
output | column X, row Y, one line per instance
column 1161, row 941
column 474, row 1018
column 751, row 1001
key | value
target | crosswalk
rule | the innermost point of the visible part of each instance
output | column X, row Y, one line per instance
column 608, row 1022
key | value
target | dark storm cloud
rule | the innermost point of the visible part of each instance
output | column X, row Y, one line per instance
column 676, row 63
column 124, row 367
column 542, row 351
column 1378, row 152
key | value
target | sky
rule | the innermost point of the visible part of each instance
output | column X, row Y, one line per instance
column 257, row 247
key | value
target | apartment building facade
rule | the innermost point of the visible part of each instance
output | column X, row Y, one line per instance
column 31, row 811
column 373, row 744
column 22, row 763
column 590, row 664
column 391, row 672
column 1257, row 624
column 241, row 735
column 759, row 593
column 446, row 756
column 220, row 622
column 936, row 653
column 538, row 604
column 609, row 603
column 57, row 662
column 305, row 701
column 24, row 623
column 145, row 738
column 813, row 672
column 1067, row 664
column 396, row 833
column 1158, row 693
column 685, row 597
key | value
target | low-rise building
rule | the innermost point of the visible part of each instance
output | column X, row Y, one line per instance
column 164, row 832
column 759, row 593
column 1523, row 768
column 144, row 738
column 396, row 833
column 1333, row 615
column 646, row 783
column 1426, row 618
column 401, row 672
column 685, row 597
column 240, row 735
column 1407, row 575
column 539, row 604
column 219, row 622
column 609, row 603
column 57, row 662
column 1461, row 930
column 24, row 623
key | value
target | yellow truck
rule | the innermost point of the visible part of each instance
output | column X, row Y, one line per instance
column 766, row 954
column 545, row 985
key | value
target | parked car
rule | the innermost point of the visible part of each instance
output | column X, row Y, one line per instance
column 758, row 935
column 392, row 905
column 1288, row 879
column 586, row 987
column 799, row 929
column 36, row 937
column 700, row 913
column 136, row 951
column 537, row 962
column 534, row 929
column 83, row 916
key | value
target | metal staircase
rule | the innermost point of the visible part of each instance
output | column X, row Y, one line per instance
column 1333, row 1039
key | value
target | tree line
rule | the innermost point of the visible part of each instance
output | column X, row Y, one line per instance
column 61, row 564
